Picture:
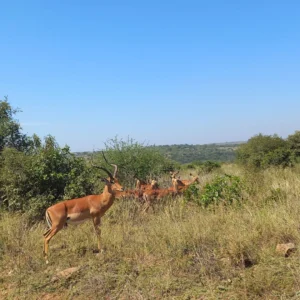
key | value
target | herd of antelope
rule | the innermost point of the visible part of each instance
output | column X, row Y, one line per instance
column 93, row 207
column 149, row 192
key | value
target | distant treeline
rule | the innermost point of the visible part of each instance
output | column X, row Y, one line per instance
column 185, row 153
column 189, row 153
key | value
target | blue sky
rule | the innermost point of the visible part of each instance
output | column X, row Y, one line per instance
column 160, row 72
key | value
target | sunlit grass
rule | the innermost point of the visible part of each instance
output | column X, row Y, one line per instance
column 176, row 251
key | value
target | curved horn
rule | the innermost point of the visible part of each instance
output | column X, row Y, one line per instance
column 108, row 173
column 116, row 170
column 116, row 167
column 101, row 168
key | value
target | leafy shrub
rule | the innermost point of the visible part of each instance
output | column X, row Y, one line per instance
column 189, row 166
column 14, row 179
column 10, row 128
column 293, row 141
column 209, row 166
column 32, row 182
column 262, row 151
column 224, row 189
column 192, row 193
column 205, row 167
column 136, row 160
column 280, row 157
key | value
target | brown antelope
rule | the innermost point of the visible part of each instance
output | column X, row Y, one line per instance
column 143, row 185
column 78, row 210
column 195, row 179
column 181, row 184
column 184, row 184
column 129, row 194
column 154, row 193
column 174, row 180
column 137, row 193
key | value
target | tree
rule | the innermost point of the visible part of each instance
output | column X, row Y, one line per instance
column 262, row 151
column 32, row 182
column 10, row 129
column 135, row 160
column 293, row 141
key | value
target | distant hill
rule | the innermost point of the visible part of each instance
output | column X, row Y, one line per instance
column 184, row 153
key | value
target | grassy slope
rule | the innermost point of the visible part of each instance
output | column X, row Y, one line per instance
column 178, row 251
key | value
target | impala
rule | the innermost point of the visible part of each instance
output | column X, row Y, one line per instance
column 184, row 184
column 195, row 179
column 137, row 193
column 78, row 210
column 181, row 185
column 129, row 194
column 155, row 193
column 142, row 185
column 174, row 180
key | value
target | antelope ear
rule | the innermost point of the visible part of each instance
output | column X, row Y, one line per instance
column 104, row 180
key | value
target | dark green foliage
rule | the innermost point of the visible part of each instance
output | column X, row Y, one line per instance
column 204, row 167
column 226, row 189
column 10, row 129
column 209, row 166
column 192, row 193
column 262, row 151
column 31, row 182
column 185, row 154
column 293, row 141
column 14, row 176
column 189, row 153
column 282, row 157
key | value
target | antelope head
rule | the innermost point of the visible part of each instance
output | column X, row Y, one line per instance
column 112, row 179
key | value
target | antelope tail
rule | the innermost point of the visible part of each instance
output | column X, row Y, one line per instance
column 48, row 220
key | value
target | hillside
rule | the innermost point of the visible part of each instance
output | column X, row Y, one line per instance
column 184, row 153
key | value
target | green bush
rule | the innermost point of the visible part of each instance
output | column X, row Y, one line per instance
column 205, row 167
column 31, row 182
column 209, row 166
column 293, row 141
column 135, row 160
column 263, row 151
column 225, row 189
column 10, row 128
column 14, row 179
column 192, row 193
column 280, row 157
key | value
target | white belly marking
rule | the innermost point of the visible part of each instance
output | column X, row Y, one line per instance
column 76, row 218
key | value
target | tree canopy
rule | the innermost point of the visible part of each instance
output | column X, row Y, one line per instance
column 10, row 128
column 262, row 151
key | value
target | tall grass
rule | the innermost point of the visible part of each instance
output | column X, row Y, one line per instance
column 176, row 251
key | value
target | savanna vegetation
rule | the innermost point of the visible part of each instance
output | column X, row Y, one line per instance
column 215, row 241
column 184, row 153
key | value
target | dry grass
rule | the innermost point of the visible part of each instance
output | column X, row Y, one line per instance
column 177, row 251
